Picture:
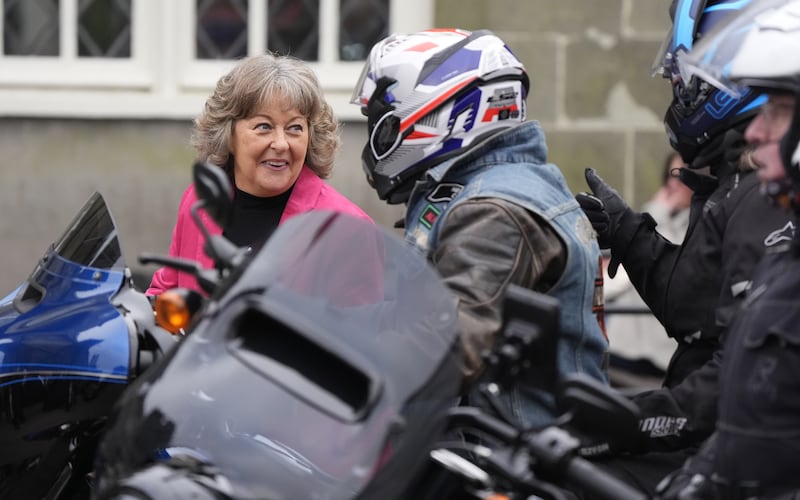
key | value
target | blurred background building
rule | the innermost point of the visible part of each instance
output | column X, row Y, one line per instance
column 98, row 95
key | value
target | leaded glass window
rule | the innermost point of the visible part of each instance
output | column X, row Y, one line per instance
column 361, row 24
column 221, row 29
column 160, row 58
column 104, row 28
column 293, row 28
column 30, row 27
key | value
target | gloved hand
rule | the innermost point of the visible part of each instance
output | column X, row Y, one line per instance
column 684, row 485
column 593, row 448
column 692, row 481
column 603, row 206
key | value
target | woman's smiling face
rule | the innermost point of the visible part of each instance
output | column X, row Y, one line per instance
column 269, row 148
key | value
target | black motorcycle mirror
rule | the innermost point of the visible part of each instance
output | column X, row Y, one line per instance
column 597, row 409
column 215, row 196
column 214, row 190
column 527, row 350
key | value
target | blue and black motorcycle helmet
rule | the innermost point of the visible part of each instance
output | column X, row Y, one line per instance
column 702, row 120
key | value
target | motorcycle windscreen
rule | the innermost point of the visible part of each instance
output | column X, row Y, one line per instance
column 89, row 244
column 92, row 238
column 332, row 357
column 88, row 254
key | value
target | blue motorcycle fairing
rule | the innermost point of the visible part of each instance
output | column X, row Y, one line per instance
column 70, row 342
column 72, row 333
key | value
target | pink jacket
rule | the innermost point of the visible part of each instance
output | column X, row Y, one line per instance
column 309, row 193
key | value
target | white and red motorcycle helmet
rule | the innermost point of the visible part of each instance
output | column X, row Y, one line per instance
column 429, row 96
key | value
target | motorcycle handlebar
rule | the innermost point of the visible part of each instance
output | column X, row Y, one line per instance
column 586, row 475
column 553, row 450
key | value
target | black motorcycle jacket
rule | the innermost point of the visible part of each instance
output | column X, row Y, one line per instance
column 758, row 436
column 694, row 290
column 753, row 452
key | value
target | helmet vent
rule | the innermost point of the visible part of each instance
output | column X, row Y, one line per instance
column 429, row 120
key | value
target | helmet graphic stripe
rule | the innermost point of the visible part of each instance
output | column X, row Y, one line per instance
column 415, row 116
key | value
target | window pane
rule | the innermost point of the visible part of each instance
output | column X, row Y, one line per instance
column 30, row 27
column 104, row 28
column 361, row 24
column 294, row 28
column 221, row 29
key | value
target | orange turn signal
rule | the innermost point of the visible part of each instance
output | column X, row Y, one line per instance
column 172, row 311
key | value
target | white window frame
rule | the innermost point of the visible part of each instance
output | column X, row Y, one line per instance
column 68, row 70
column 162, row 79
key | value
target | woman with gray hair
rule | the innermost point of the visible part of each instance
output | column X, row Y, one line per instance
column 267, row 124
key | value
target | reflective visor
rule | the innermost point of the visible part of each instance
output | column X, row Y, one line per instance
column 360, row 93
column 719, row 57
column 679, row 39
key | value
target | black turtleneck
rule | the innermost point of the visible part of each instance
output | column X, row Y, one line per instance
column 254, row 218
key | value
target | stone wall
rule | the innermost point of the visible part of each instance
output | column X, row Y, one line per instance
column 589, row 62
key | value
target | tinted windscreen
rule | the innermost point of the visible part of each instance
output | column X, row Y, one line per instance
column 324, row 355
column 91, row 239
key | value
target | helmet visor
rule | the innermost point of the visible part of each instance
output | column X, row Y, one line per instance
column 364, row 87
column 659, row 66
column 732, row 53
column 678, row 41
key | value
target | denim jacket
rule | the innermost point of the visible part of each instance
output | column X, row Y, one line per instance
column 512, row 166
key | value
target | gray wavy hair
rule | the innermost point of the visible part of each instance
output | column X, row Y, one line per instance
column 252, row 82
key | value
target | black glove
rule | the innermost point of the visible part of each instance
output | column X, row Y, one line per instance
column 593, row 448
column 692, row 481
column 683, row 485
column 595, row 210
column 604, row 207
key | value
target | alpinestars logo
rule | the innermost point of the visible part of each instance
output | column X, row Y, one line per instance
column 786, row 233
column 662, row 426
